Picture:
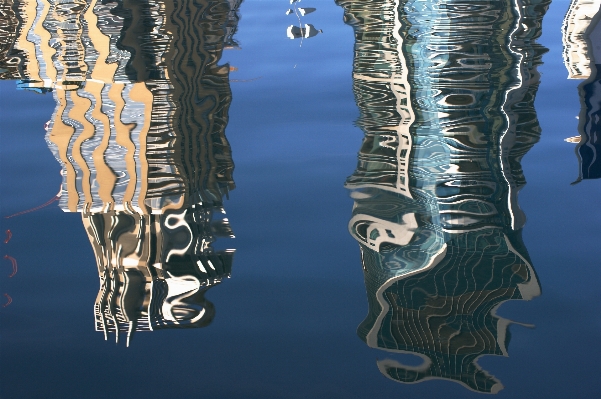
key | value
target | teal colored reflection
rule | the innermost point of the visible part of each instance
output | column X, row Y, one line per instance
column 446, row 97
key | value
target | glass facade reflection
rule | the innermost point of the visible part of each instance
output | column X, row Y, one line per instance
column 446, row 99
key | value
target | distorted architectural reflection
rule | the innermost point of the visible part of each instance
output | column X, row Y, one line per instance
column 304, row 31
column 582, row 58
column 139, row 129
column 294, row 32
column 446, row 99
column 577, row 24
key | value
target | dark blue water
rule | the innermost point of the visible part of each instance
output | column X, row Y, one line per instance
column 285, row 324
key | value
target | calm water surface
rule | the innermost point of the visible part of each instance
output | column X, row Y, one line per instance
column 226, row 199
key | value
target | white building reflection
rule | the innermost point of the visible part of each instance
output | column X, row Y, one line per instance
column 582, row 58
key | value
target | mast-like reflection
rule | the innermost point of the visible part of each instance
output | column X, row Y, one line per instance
column 139, row 129
column 446, row 98
column 582, row 58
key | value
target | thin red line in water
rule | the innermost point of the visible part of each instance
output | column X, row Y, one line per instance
column 33, row 209
column 14, row 262
column 10, row 300
column 9, row 235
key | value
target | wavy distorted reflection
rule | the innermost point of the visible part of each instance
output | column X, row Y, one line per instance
column 139, row 129
column 446, row 98
column 582, row 58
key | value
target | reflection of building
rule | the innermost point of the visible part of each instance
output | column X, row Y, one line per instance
column 582, row 56
column 577, row 23
column 139, row 129
column 382, row 91
column 446, row 100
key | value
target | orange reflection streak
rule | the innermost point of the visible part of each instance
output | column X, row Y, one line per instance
column 10, row 300
column 9, row 235
column 14, row 263
column 32, row 209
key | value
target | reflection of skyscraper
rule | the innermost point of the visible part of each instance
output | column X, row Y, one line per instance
column 139, row 129
column 582, row 56
column 446, row 99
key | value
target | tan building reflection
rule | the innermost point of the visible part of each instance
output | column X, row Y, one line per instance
column 139, row 129
column 446, row 100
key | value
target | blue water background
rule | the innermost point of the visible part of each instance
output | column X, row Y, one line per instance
column 286, row 320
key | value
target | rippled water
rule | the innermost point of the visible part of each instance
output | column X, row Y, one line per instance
column 316, row 199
